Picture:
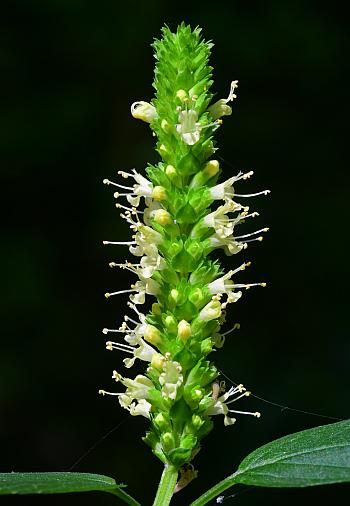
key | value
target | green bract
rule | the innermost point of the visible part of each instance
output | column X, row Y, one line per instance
column 187, row 215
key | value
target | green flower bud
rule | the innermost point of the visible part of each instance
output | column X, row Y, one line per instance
column 171, row 324
column 168, row 441
column 162, row 422
column 189, row 441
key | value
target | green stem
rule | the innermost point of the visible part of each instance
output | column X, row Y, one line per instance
column 166, row 486
column 215, row 491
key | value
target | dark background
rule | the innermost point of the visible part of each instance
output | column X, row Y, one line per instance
column 71, row 69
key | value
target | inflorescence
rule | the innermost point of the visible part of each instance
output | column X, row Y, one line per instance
column 176, row 224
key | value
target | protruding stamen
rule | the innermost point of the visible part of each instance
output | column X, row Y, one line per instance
column 107, row 331
column 110, row 345
column 107, row 295
column 266, row 229
column 232, row 95
column 124, row 174
column 264, row 192
column 119, row 243
column 133, row 210
column 108, row 182
column 260, row 238
column 256, row 414
column 128, row 319
column 103, row 392
column 235, row 327
column 245, row 394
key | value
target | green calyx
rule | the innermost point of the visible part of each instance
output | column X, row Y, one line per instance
column 179, row 226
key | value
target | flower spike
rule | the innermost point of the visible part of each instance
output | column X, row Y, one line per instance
column 176, row 223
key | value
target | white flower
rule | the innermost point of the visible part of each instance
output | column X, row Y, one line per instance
column 137, row 388
column 147, row 241
column 143, row 352
column 225, row 190
column 151, row 264
column 229, row 244
column 211, row 311
column 171, row 379
column 136, row 347
column 142, row 287
column 220, row 108
column 144, row 111
column 220, row 404
column 142, row 188
column 188, row 126
column 219, row 220
column 142, row 408
column 224, row 284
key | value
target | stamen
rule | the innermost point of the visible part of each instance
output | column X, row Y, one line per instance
column 139, row 314
column 264, row 192
column 108, row 182
column 245, row 394
column 107, row 295
column 124, row 174
column 242, row 285
column 266, row 229
column 234, row 85
column 256, row 414
column 133, row 210
column 117, row 194
column 110, row 345
column 107, row 331
column 118, row 243
column 127, row 318
column 256, row 239
column 103, row 392
column 235, row 327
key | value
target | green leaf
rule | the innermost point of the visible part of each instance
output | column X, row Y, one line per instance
column 61, row 483
column 312, row 457
column 316, row 456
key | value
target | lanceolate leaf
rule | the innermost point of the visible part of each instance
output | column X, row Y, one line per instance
column 311, row 457
column 61, row 483
column 316, row 456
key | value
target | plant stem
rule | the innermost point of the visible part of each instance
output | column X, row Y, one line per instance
column 166, row 486
column 215, row 491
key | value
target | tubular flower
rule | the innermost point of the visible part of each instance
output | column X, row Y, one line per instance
column 177, row 221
